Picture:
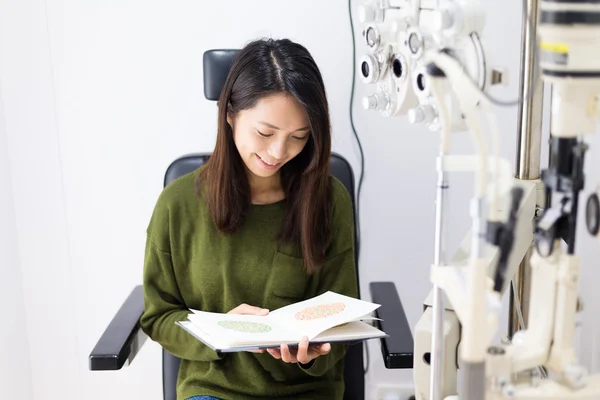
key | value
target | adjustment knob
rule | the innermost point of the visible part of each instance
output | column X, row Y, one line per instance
column 376, row 101
column 443, row 19
column 366, row 14
column 421, row 114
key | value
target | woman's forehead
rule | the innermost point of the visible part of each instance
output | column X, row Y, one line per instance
column 279, row 111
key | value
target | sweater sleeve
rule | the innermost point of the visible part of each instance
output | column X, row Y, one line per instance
column 337, row 275
column 163, row 303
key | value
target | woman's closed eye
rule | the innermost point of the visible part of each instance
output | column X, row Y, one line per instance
column 269, row 135
column 263, row 134
column 300, row 137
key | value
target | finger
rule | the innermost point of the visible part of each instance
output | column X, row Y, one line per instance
column 325, row 349
column 257, row 351
column 315, row 351
column 260, row 311
column 286, row 356
column 249, row 310
column 302, row 354
column 275, row 353
column 237, row 309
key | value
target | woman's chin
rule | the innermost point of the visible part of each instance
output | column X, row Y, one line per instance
column 261, row 173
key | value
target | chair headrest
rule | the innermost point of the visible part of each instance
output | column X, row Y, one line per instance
column 216, row 65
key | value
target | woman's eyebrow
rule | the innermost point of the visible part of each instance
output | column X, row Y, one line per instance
column 306, row 128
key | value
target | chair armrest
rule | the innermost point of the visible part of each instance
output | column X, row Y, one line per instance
column 398, row 348
column 123, row 337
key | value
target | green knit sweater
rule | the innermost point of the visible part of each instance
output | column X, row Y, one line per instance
column 190, row 265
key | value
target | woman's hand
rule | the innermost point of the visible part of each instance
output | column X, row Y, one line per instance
column 248, row 310
column 305, row 353
column 245, row 309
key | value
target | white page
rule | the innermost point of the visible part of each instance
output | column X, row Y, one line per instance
column 354, row 330
column 313, row 316
column 239, row 330
column 199, row 334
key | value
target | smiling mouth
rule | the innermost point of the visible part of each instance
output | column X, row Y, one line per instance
column 266, row 162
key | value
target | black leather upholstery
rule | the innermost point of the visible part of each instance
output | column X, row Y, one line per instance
column 354, row 375
column 119, row 341
column 397, row 349
column 170, row 371
column 184, row 165
column 216, row 65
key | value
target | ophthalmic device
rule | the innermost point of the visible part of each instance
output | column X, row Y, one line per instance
column 426, row 60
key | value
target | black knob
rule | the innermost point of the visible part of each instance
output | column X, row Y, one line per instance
column 592, row 215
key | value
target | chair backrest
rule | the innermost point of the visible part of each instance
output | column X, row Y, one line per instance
column 353, row 370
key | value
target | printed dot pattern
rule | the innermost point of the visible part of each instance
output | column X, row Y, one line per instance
column 321, row 311
column 246, row 327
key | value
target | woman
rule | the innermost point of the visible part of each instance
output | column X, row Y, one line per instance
column 260, row 226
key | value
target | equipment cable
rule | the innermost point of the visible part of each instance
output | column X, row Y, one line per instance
column 362, row 155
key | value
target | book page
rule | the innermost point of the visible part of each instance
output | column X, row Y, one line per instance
column 313, row 316
column 202, row 336
column 354, row 330
column 241, row 330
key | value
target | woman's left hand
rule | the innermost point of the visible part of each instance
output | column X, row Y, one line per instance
column 305, row 354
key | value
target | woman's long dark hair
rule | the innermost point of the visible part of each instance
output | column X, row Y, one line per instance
column 262, row 68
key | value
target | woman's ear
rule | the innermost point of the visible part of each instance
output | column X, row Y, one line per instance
column 229, row 116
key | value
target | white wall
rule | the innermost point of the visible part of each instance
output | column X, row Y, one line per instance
column 101, row 97
column 15, row 369
column 35, row 165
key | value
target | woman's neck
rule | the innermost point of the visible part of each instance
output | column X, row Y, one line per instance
column 266, row 190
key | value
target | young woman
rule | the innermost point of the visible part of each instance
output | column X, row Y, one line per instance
column 261, row 225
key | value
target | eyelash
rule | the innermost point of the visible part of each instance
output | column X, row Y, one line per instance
column 268, row 136
column 263, row 135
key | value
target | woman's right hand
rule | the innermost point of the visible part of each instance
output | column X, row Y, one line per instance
column 245, row 309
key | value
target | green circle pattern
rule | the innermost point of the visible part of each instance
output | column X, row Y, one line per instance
column 246, row 327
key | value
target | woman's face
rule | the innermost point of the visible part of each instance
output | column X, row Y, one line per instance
column 270, row 134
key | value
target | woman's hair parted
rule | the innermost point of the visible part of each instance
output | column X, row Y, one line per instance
column 262, row 68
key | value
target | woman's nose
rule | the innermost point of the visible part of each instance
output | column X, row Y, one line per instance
column 278, row 150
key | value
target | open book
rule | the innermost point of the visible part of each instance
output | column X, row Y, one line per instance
column 330, row 317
